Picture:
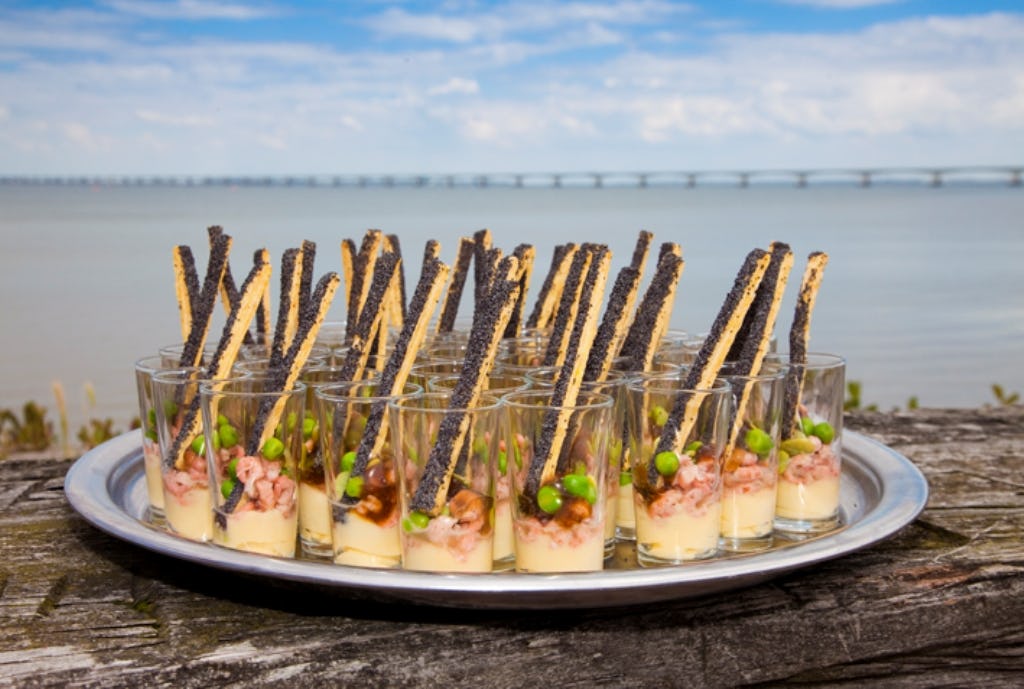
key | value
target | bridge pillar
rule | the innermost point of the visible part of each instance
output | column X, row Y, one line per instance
column 519, row 181
column 865, row 179
column 641, row 181
column 691, row 181
column 598, row 181
column 556, row 181
column 744, row 180
column 801, row 179
column 936, row 178
column 1015, row 178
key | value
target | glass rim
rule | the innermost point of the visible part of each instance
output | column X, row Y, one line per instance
column 821, row 360
column 338, row 391
column 720, row 386
column 144, row 368
column 616, row 377
column 207, row 389
column 401, row 403
column 601, row 400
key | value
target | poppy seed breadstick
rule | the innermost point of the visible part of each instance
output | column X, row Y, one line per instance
column 362, row 270
column 482, row 243
column 710, row 358
column 307, row 259
column 639, row 261
column 396, row 371
column 757, row 334
column 202, row 308
column 565, row 392
column 298, row 353
column 228, row 289
column 525, row 253
column 641, row 249
column 287, row 307
column 348, row 257
column 568, row 306
column 235, row 327
column 263, row 310
column 614, row 324
column 551, row 291
column 653, row 314
column 489, row 321
column 396, row 247
column 186, row 287
column 367, row 322
column 799, row 336
column 452, row 297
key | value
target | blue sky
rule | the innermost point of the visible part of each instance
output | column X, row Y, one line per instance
column 275, row 87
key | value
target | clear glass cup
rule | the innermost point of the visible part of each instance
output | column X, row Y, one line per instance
column 522, row 353
column 254, row 435
column 678, row 489
column 363, row 500
column 315, row 524
column 558, row 503
column 188, row 511
column 446, row 529
column 145, row 368
column 810, row 452
column 614, row 386
column 422, row 371
column 171, row 355
column 749, row 470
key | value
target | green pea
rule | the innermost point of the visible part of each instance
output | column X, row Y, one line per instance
column 151, row 419
column 692, row 448
column 222, row 420
column 348, row 460
column 797, row 446
column 233, row 468
column 199, row 445
column 758, row 442
column 228, row 435
column 502, row 461
column 354, row 486
column 577, row 485
column 273, row 449
column 824, row 431
column 292, row 419
column 625, row 478
column 216, row 441
column 517, row 454
column 807, row 425
column 658, row 415
column 152, row 436
column 309, row 427
column 549, row 499
column 226, row 486
column 667, row 463
column 170, row 409
column 480, row 446
column 418, row 520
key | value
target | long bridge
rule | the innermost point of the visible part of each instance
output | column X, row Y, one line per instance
column 1010, row 175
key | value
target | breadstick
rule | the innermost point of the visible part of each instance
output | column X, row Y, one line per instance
column 489, row 321
column 202, row 308
column 568, row 306
column 710, row 357
column 524, row 253
column 653, row 314
column 186, row 287
column 551, row 291
column 799, row 336
column 446, row 321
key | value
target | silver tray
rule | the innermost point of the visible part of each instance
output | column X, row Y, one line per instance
column 881, row 492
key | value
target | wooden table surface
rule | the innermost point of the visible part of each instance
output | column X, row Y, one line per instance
column 939, row 604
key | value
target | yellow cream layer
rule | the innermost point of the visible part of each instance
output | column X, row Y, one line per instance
column 544, row 554
column 504, row 547
column 625, row 513
column 748, row 515
column 154, row 474
column 816, row 500
column 680, row 536
column 360, row 542
column 423, row 556
column 266, row 533
column 314, row 514
column 190, row 515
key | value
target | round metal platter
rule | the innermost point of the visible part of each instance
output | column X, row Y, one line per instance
column 881, row 492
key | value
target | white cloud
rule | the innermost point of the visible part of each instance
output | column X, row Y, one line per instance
column 189, row 9
column 174, row 120
column 840, row 4
column 5, row 112
column 352, row 123
column 456, row 85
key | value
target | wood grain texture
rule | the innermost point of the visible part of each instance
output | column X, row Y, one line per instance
column 940, row 604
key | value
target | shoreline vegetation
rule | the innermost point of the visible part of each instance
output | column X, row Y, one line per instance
column 29, row 431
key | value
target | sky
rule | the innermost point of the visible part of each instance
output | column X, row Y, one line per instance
column 348, row 87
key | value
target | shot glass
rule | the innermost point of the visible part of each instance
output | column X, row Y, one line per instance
column 363, row 500
column 749, row 470
column 254, row 434
column 171, row 355
column 558, row 463
column 677, row 488
column 145, row 368
column 614, row 386
column 314, row 510
column 446, row 528
column 188, row 510
column 810, row 452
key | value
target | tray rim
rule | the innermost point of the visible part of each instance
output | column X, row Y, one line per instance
column 92, row 481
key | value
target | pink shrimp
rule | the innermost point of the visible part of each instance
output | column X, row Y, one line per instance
column 249, row 470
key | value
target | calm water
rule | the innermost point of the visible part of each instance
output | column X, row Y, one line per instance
column 924, row 294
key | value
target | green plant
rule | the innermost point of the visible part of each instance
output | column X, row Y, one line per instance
column 96, row 432
column 853, row 401
column 32, row 432
column 1003, row 397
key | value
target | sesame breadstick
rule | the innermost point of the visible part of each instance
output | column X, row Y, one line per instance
column 446, row 321
column 551, row 291
column 568, row 306
column 558, row 422
column 799, row 336
column 489, row 322
column 710, row 357
column 396, row 371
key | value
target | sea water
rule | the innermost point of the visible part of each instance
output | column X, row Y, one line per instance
column 923, row 293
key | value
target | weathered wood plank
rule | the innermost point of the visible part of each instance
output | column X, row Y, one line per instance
column 940, row 604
